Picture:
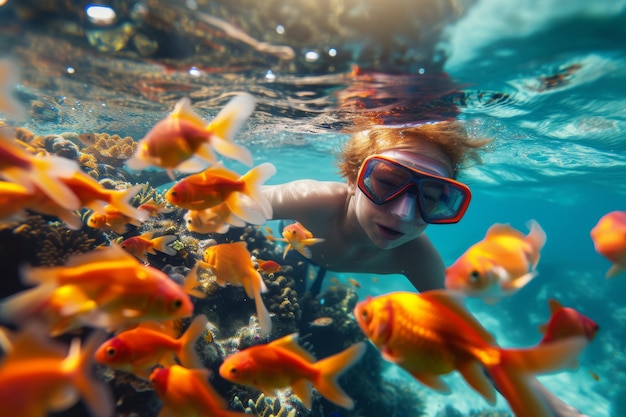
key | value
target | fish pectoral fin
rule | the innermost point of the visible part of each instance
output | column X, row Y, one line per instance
column 131, row 313
column 390, row 355
column 304, row 251
column 302, row 389
column 518, row 283
column 63, row 398
column 432, row 381
column 475, row 376
column 616, row 269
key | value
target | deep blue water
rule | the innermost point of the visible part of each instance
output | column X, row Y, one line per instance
column 558, row 156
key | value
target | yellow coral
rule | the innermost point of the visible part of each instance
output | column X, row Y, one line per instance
column 109, row 149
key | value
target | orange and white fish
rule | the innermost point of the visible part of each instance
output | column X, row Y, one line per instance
column 217, row 184
column 499, row 265
column 38, row 376
column 140, row 349
column 231, row 263
column 184, row 142
column 298, row 238
column 566, row 322
column 609, row 239
column 112, row 219
column 187, row 393
column 430, row 334
column 216, row 219
column 124, row 290
column 154, row 209
column 144, row 244
column 38, row 172
column 283, row 363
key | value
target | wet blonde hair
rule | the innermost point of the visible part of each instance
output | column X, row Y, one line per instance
column 450, row 136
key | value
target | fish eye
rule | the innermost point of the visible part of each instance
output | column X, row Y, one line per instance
column 233, row 370
column 474, row 276
column 178, row 303
column 111, row 351
column 173, row 193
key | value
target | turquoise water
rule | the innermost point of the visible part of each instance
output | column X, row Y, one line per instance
column 558, row 154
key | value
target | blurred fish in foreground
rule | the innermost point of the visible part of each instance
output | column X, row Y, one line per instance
column 609, row 239
column 38, row 376
column 9, row 77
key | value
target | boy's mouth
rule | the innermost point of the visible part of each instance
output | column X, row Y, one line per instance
column 389, row 234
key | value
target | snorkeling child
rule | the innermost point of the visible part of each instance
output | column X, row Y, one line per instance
column 399, row 180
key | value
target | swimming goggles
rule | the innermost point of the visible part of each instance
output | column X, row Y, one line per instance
column 441, row 199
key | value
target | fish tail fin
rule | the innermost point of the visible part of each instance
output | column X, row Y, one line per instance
column 161, row 242
column 121, row 200
column 22, row 305
column 45, row 175
column 513, row 376
column 227, row 123
column 191, row 281
column 188, row 355
column 536, row 238
column 253, row 180
column 331, row 369
column 263, row 315
column 79, row 362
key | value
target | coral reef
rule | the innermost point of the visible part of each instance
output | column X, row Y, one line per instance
column 108, row 149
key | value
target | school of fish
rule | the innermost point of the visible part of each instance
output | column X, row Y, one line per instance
column 133, row 307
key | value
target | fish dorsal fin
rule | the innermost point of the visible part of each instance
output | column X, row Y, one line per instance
column 184, row 111
column 146, row 235
column 219, row 169
column 101, row 254
column 554, row 306
column 290, row 343
column 306, row 231
column 455, row 302
column 500, row 229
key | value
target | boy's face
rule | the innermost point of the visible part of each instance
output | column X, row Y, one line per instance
column 399, row 221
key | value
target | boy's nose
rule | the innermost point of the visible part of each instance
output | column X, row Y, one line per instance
column 403, row 207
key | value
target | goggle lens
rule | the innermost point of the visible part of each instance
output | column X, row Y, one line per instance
column 442, row 200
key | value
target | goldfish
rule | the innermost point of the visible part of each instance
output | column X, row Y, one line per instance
column 231, row 263
column 268, row 267
column 298, row 238
column 38, row 172
column 283, row 363
column 609, row 239
column 187, row 393
column 216, row 219
column 123, row 290
column 140, row 349
column 431, row 334
column 567, row 322
column 154, row 209
column 112, row 219
column 499, row 265
column 140, row 246
column 217, row 185
column 184, row 142
column 39, row 376
column 9, row 77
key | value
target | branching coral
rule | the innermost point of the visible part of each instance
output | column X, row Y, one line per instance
column 266, row 407
column 111, row 150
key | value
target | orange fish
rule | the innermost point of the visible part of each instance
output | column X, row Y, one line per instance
column 499, row 265
column 112, row 219
column 268, row 267
column 184, row 142
column 124, row 290
column 187, row 393
column 283, row 363
column 567, row 322
column 609, row 239
column 140, row 349
column 298, row 238
column 38, row 172
column 38, row 376
column 154, row 209
column 14, row 199
column 217, row 184
column 140, row 246
column 216, row 219
column 430, row 334
column 231, row 263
